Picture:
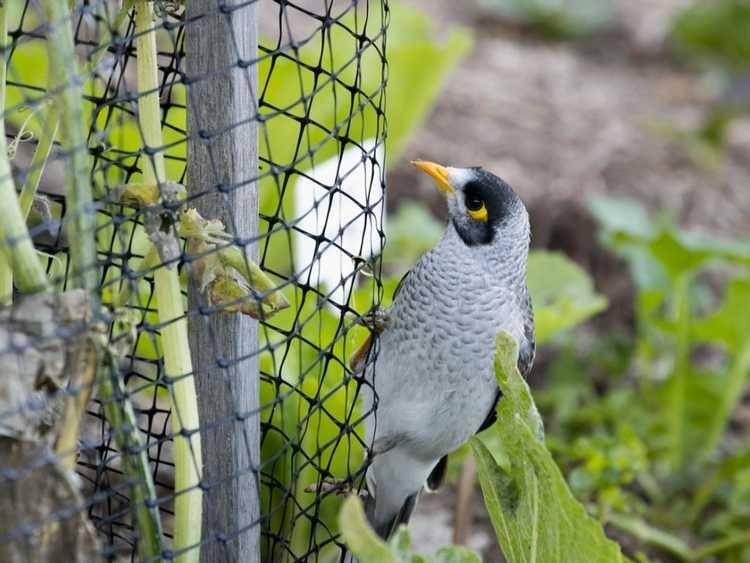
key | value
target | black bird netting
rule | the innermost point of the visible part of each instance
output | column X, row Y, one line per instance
column 191, row 218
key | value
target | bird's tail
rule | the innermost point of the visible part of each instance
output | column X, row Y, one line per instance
column 384, row 529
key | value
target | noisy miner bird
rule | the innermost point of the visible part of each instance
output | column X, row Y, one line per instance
column 434, row 377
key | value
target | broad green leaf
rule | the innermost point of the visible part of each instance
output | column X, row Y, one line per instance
column 651, row 247
column 455, row 554
column 619, row 214
column 535, row 515
column 359, row 537
column 562, row 293
column 367, row 547
column 730, row 324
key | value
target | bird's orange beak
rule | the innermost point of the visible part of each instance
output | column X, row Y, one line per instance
column 438, row 173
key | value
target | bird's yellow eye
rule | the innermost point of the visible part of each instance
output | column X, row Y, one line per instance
column 476, row 209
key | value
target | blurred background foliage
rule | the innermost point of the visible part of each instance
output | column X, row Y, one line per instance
column 642, row 374
column 648, row 418
column 556, row 19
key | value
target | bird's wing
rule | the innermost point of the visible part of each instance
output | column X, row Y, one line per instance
column 437, row 476
column 400, row 284
column 526, row 354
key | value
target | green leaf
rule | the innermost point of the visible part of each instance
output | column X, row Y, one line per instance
column 730, row 324
column 367, row 547
column 619, row 214
column 362, row 540
column 455, row 554
column 658, row 249
column 535, row 515
column 562, row 293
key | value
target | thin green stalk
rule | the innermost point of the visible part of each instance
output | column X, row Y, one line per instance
column 647, row 534
column 730, row 398
column 174, row 334
column 121, row 417
column 6, row 281
column 678, row 398
column 68, row 95
column 118, row 26
column 39, row 161
column 6, row 273
column 17, row 247
column 49, row 132
column 725, row 544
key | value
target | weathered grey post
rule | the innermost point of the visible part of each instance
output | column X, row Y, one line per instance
column 220, row 37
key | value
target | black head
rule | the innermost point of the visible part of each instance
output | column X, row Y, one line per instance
column 481, row 206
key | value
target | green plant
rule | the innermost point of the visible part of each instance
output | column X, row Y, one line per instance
column 174, row 337
column 22, row 263
column 714, row 32
column 646, row 436
column 534, row 513
column 369, row 548
column 712, row 35
column 18, row 255
column 536, row 518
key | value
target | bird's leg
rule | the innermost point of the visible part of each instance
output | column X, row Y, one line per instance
column 377, row 320
column 343, row 487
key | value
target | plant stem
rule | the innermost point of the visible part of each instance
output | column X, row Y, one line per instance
column 106, row 38
column 646, row 533
column 729, row 398
column 174, row 335
column 464, row 507
column 724, row 544
column 120, row 415
column 19, row 256
column 39, row 160
column 65, row 86
column 680, row 375
column 49, row 131
column 6, row 273
column 82, row 381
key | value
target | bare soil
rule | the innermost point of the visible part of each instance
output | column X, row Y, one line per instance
column 562, row 121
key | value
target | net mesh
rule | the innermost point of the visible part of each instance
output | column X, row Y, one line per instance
column 316, row 108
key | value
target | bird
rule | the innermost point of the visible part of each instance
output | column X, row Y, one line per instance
column 432, row 384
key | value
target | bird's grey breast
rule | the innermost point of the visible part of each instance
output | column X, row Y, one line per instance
column 434, row 373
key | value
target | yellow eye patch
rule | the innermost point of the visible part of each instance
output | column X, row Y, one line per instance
column 479, row 214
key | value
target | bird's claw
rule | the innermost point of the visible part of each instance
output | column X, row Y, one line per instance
column 341, row 488
column 377, row 320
